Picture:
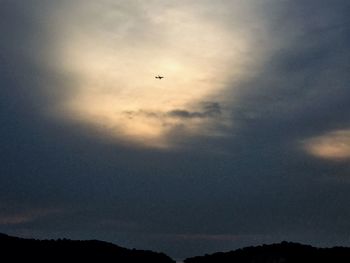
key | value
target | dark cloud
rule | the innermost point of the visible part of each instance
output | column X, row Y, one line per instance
column 210, row 109
column 304, row 85
column 254, row 186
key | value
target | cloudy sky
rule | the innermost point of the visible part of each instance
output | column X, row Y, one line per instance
column 245, row 141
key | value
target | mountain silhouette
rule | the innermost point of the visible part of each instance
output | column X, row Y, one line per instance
column 14, row 249
column 284, row 252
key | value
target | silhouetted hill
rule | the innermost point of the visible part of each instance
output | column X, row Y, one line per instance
column 278, row 253
column 13, row 249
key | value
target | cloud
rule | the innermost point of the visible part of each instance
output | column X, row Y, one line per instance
column 15, row 219
column 334, row 145
column 78, row 93
column 22, row 217
column 112, row 50
column 217, row 237
column 210, row 110
column 301, row 90
column 162, row 126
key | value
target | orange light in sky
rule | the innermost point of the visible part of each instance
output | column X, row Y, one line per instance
column 113, row 54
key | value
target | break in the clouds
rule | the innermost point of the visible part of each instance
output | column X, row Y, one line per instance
column 245, row 140
column 334, row 145
column 113, row 50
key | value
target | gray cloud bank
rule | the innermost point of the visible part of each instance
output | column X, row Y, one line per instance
column 208, row 110
column 257, row 185
column 211, row 109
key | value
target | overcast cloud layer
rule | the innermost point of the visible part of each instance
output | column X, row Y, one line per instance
column 259, row 153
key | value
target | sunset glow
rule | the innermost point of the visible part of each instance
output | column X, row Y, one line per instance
column 114, row 67
column 333, row 145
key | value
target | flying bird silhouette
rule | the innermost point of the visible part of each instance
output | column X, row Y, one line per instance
column 159, row 77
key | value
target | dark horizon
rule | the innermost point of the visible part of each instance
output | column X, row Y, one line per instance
column 246, row 139
column 41, row 249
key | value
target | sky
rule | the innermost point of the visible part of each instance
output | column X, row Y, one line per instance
column 246, row 139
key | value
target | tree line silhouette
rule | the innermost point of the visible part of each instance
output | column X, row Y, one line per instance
column 13, row 249
column 285, row 252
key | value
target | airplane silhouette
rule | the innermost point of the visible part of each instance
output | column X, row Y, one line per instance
column 159, row 77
